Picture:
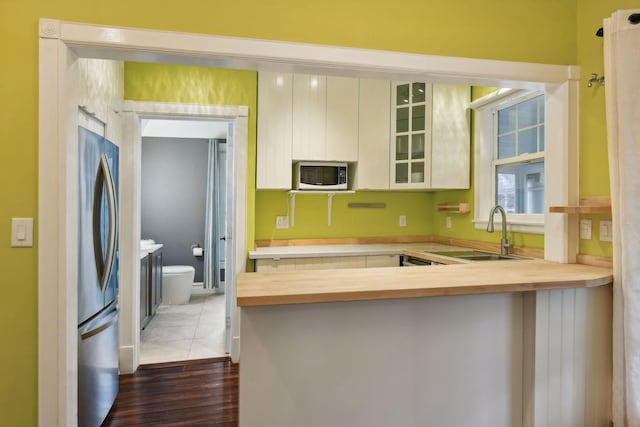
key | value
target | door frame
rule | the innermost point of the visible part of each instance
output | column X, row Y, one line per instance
column 60, row 42
column 130, row 223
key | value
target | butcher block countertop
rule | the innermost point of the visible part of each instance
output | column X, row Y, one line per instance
column 361, row 284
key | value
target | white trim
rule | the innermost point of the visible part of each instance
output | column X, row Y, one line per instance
column 265, row 55
column 169, row 109
column 56, row 324
column 494, row 98
column 238, row 143
column 485, row 138
column 520, row 223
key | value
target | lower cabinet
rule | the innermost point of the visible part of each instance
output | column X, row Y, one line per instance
column 145, row 311
column 150, row 286
column 155, row 286
column 327, row 263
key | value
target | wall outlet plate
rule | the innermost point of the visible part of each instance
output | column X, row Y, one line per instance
column 403, row 220
column 585, row 229
column 282, row 221
column 448, row 221
column 606, row 231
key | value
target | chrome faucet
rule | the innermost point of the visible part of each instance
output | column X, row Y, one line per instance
column 504, row 243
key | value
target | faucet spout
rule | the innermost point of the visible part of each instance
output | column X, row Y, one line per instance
column 504, row 243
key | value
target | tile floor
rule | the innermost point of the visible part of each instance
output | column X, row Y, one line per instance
column 185, row 332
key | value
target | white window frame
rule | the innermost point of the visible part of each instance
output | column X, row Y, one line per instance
column 486, row 146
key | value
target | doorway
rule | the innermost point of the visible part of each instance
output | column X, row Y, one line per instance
column 183, row 220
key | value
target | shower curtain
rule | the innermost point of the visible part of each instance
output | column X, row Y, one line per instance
column 622, row 72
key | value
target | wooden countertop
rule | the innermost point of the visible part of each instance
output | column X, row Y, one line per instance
column 308, row 251
column 315, row 286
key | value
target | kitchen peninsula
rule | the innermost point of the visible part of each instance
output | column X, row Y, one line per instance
column 495, row 343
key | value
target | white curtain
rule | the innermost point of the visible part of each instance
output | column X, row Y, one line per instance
column 622, row 73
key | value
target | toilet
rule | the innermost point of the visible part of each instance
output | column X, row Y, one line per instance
column 177, row 281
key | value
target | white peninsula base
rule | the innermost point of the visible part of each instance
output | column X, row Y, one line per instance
column 538, row 358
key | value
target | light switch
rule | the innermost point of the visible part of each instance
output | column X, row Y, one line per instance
column 606, row 232
column 22, row 232
column 585, row 229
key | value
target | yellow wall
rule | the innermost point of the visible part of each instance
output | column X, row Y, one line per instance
column 547, row 31
column 311, row 215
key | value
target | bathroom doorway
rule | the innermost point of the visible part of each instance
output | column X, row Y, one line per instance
column 183, row 218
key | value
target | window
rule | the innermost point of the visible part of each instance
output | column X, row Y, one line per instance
column 509, row 135
column 518, row 164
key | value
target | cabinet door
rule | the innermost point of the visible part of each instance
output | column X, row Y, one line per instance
column 156, row 280
column 144, row 292
column 328, row 263
column 309, row 117
column 410, row 163
column 450, row 137
column 373, row 135
column 342, row 119
column 275, row 114
column 383, row 261
column 286, row 264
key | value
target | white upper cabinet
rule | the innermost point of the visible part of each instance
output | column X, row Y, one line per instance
column 373, row 135
column 342, row 119
column 400, row 135
column 450, row 137
column 430, row 140
column 275, row 115
column 309, row 116
column 325, row 118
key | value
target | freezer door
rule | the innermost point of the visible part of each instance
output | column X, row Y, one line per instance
column 98, row 366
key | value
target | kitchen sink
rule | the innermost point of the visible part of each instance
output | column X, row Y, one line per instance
column 473, row 255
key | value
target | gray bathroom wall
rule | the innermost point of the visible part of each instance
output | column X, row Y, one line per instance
column 173, row 202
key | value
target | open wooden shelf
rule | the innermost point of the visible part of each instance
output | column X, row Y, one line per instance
column 459, row 208
column 587, row 205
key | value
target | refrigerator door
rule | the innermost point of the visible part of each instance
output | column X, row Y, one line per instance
column 90, row 295
column 111, row 156
column 98, row 366
column 98, row 224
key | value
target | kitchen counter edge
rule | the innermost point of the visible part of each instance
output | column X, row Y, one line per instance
column 319, row 286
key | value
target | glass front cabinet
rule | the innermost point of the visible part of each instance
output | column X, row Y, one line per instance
column 411, row 134
column 430, row 137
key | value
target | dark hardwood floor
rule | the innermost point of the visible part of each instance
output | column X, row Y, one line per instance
column 190, row 393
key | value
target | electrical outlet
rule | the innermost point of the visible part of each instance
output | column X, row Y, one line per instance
column 448, row 221
column 403, row 220
column 606, row 232
column 585, row 229
column 282, row 221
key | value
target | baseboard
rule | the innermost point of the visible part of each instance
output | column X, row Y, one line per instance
column 126, row 361
column 235, row 349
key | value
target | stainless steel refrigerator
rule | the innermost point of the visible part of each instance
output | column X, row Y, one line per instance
column 98, row 309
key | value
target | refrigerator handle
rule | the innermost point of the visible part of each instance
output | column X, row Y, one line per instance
column 104, row 179
column 110, row 320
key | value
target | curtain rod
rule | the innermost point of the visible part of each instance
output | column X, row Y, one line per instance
column 634, row 18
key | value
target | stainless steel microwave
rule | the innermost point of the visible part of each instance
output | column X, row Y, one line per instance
column 320, row 176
